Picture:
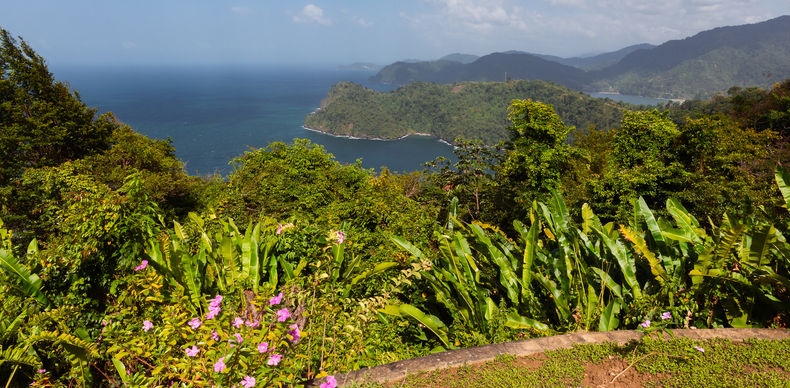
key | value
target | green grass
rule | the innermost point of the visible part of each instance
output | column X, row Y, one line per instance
column 650, row 362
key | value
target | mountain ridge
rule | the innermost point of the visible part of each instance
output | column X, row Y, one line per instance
column 697, row 66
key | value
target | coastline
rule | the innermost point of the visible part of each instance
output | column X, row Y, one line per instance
column 421, row 134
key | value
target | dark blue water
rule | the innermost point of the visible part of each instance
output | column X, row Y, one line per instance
column 214, row 115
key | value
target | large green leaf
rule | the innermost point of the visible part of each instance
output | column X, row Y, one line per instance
column 529, row 258
column 610, row 316
column 30, row 282
column 640, row 245
column 624, row 260
column 507, row 275
column 405, row 245
column 432, row 322
column 515, row 321
column 763, row 238
column 685, row 221
column 783, row 181
column 610, row 283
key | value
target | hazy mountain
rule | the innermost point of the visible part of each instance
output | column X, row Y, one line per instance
column 695, row 67
column 599, row 61
column 461, row 58
column 492, row 67
column 706, row 63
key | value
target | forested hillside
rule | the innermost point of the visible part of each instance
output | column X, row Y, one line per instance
column 119, row 269
column 469, row 110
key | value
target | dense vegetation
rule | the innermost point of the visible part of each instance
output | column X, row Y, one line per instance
column 469, row 110
column 118, row 268
column 695, row 67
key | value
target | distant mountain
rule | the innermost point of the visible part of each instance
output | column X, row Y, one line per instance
column 599, row 61
column 492, row 67
column 461, row 58
column 695, row 67
column 706, row 63
column 362, row 66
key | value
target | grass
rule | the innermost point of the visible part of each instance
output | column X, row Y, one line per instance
column 651, row 362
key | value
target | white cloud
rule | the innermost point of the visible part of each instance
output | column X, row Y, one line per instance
column 362, row 21
column 241, row 10
column 312, row 14
column 572, row 27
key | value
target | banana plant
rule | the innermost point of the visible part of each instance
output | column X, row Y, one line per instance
column 227, row 261
column 29, row 283
column 747, row 256
column 345, row 274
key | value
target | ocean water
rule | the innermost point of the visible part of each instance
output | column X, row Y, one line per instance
column 215, row 114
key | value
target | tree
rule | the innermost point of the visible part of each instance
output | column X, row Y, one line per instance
column 536, row 154
column 42, row 123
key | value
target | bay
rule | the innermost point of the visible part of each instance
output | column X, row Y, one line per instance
column 630, row 99
column 215, row 114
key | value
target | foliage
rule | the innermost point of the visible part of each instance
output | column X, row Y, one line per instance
column 113, row 273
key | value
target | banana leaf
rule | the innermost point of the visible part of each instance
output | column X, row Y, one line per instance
column 31, row 283
column 609, row 317
column 433, row 323
column 515, row 321
column 783, row 181
column 627, row 268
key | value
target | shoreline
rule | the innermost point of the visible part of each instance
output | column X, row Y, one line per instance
column 420, row 134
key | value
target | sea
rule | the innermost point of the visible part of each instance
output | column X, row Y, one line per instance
column 216, row 114
column 213, row 115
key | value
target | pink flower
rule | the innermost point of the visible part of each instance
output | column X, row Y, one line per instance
column 274, row 359
column 252, row 324
column 238, row 322
column 216, row 302
column 248, row 382
column 214, row 307
column 219, row 366
column 238, row 338
column 275, row 300
column 214, row 335
column 330, row 382
column 142, row 265
column 282, row 315
column 699, row 349
column 41, row 371
column 192, row 352
column 194, row 323
column 340, row 237
column 147, row 325
column 263, row 347
column 282, row 228
column 666, row 315
column 295, row 333
column 645, row 324
column 212, row 312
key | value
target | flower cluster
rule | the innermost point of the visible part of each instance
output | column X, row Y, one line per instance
column 240, row 352
column 214, row 307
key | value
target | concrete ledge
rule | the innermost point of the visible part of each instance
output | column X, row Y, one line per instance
column 480, row 354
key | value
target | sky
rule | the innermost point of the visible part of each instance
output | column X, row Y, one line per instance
column 322, row 32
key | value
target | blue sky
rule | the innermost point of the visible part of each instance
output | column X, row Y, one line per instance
column 344, row 31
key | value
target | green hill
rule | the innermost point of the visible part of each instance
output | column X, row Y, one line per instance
column 472, row 110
